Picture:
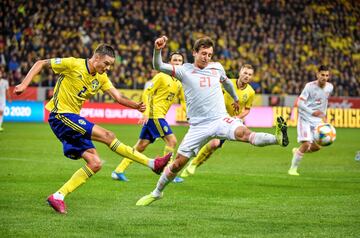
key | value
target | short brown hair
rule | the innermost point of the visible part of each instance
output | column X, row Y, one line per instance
column 105, row 49
column 205, row 42
column 247, row 66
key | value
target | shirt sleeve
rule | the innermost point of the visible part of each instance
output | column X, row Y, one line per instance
column 229, row 87
column 176, row 71
column 305, row 93
column 223, row 76
column 61, row 65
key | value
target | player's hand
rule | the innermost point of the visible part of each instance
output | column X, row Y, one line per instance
column 19, row 89
column 141, row 107
column 318, row 113
column 160, row 42
column 143, row 120
column 236, row 106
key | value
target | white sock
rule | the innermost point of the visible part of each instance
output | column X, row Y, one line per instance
column 58, row 196
column 166, row 177
column 151, row 163
column 296, row 159
column 262, row 139
column 1, row 120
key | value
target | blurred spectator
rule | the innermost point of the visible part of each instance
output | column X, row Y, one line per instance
column 285, row 40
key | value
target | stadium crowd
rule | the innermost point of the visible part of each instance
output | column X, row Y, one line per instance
column 284, row 40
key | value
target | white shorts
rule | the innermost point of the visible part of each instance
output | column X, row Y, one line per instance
column 200, row 134
column 305, row 130
column 2, row 105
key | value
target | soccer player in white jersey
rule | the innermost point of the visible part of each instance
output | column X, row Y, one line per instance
column 206, row 110
column 4, row 93
column 312, row 105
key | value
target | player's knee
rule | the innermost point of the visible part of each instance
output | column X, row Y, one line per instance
column 242, row 133
column 172, row 143
column 95, row 164
column 214, row 144
column 141, row 146
column 109, row 136
column 305, row 147
column 314, row 147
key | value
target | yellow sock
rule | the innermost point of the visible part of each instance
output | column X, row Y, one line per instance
column 123, row 165
column 78, row 178
column 203, row 155
column 129, row 152
column 167, row 150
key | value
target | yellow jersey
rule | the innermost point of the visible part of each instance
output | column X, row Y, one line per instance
column 75, row 85
column 161, row 94
column 246, row 98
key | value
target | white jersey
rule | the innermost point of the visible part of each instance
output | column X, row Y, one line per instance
column 4, row 86
column 202, row 89
column 315, row 98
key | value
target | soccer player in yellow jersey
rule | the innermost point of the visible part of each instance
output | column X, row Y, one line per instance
column 80, row 79
column 163, row 91
column 246, row 96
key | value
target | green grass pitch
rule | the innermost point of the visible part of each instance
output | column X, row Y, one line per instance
column 242, row 191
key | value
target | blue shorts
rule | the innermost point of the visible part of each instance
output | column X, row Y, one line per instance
column 154, row 129
column 73, row 131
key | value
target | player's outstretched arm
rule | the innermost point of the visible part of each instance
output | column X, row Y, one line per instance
column 35, row 70
column 121, row 99
column 158, row 63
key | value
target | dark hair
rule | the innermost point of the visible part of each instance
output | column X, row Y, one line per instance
column 323, row 68
column 105, row 49
column 176, row 53
column 204, row 42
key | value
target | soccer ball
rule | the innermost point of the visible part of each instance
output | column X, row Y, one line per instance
column 325, row 134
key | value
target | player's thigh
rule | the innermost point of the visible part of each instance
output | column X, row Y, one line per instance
column 2, row 107
column 304, row 131
column 194, row 139
column 231, row 128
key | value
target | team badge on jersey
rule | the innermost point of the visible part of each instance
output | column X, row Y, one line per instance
column 95, row 84
column 82, row 122
column 166, row 129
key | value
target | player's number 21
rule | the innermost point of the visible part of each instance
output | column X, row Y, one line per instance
column 204, row 82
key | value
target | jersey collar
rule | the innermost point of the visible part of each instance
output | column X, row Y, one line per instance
column 87, row 67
